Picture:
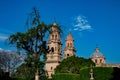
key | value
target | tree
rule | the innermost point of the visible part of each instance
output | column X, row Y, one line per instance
column 33, row 43
column 73, row 65
column 10, row 60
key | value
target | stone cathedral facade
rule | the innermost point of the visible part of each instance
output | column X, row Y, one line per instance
column 54, row 57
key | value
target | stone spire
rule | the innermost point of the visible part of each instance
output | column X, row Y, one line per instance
column 69, row 48
column 97, row 49
column 69, row 37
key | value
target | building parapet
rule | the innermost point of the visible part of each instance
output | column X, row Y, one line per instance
column 113, row 65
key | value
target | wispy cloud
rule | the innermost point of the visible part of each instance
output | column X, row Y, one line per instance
column 1, row 49
column 6, row 31
column 4, row 34
column 81, row 24
column 3, row 37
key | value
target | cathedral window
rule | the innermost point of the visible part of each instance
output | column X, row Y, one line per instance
column 67, row 54
column 95, row 60
column 52, row 36
column 100, row 60
column 51, row 74
column 52, row 49
column 55, row 36
column 70, row 44
column 48, row 49
column 51, row 68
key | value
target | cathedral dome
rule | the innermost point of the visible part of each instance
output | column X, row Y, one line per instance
column 69, row 37
column 97, row 54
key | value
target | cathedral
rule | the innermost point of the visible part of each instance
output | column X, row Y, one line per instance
column 54, row 56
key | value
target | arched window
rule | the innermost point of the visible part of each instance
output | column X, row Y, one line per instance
column 55, row 36
column 52, row 49
column 67, row 55
column 51, row 74
column 48, row 49
column 70, row 44
column 95, row 60
column 51, row 68
column 100, row 60
column 52, row 36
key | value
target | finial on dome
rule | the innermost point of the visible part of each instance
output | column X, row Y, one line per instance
column 96, row 45
column 97, row 48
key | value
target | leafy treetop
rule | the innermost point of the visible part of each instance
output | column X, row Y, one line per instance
column 73, row 65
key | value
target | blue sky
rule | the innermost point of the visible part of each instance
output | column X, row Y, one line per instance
column 91, row 22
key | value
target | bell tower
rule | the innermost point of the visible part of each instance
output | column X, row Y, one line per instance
column 54, row 56
column 69, row 49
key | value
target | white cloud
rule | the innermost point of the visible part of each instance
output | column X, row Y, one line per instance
column 81, row 24
column 75, row 29
column 4, row 33
column 1, row 49
column 3, row 37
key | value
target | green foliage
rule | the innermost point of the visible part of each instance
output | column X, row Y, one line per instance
column 24, row 72
column 66, row 76
column 33, row 43
column 27, row 71
column 73, row 65
column 100, row 73
column 18, row 78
